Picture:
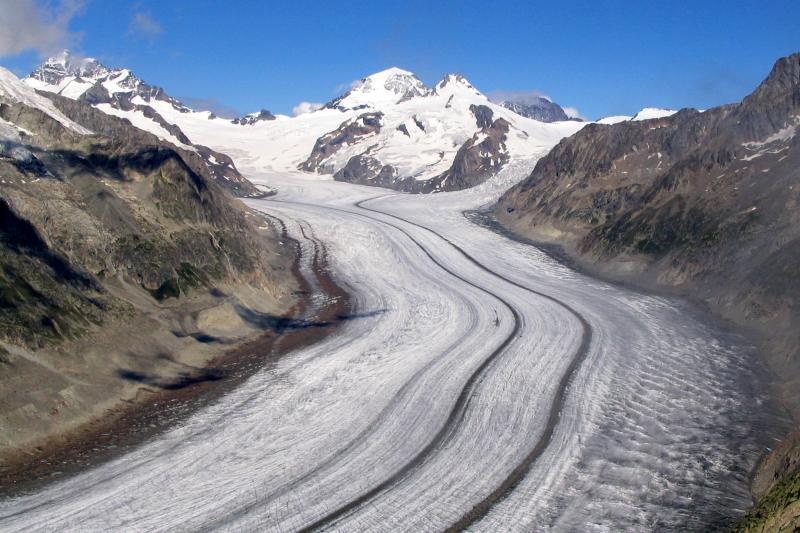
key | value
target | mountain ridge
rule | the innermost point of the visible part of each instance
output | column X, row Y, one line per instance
column 111, row 239
column 702, row 204
column 118, row 91
column 413, row 149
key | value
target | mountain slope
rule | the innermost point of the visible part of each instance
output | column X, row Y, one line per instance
column 705, row 203
column 703, row 200
column 110, row 243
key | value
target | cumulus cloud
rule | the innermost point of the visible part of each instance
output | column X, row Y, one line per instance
column 572, row 112
column 306, row 107
column 37, row 25
column 144, row 25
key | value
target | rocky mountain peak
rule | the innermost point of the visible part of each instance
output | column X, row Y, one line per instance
column 536, row 107
column 452, row 83
column 395, row 80
column 14, row 91
column 457, row 79
column 784, row 77
column 66, row 64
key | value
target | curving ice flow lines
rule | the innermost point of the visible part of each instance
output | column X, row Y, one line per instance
column 371, row 428
column 459, row 408
column 554, row 415
column 457, row 411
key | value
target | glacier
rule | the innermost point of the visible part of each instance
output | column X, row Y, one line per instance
column 484, row 386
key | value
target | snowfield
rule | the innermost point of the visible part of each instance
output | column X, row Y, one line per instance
column 480, row 384
column 421, row 128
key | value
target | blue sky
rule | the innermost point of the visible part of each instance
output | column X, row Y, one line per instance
column 604, row 58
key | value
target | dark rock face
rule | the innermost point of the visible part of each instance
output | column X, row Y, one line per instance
column 366, row 170
column 477, row 159
column 483, row 115
column 347, row 133
column 249, row 120
column 97, row 94
column 540, row 109
column 117, row 205
column 707, row 202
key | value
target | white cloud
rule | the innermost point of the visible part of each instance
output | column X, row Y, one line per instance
column 37, row 25
column 572, row 112
column 144, row 25
column 306, row 107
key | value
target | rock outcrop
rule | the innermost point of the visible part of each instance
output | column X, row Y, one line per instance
column 349, row 132
column 253, row 118
column 479, row 157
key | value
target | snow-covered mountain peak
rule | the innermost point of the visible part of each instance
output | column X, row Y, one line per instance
column 72, row 76
column 67, row 65
column 537, row 107
column 389, row 86
column 456, row 84
column 394, row 80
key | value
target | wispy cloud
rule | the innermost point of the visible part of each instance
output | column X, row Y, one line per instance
column 344, row 87
column 572, row 112
column 306, row 107
column 37, row 25
column 144, row 25
column 210, row 104
column 522, row 97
